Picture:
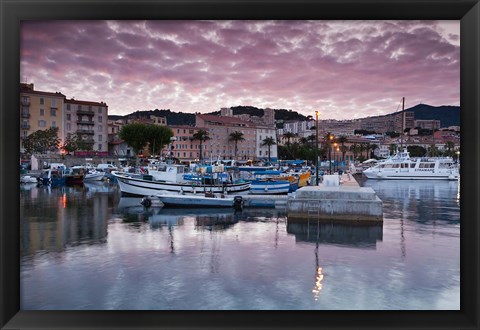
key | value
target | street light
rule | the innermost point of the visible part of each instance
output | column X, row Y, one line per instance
column 334, row 155
column 330, row 138
column 316, row 146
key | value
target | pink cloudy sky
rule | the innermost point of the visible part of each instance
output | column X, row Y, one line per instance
column 344, row 69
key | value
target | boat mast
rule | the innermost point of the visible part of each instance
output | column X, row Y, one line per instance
column 403, row 124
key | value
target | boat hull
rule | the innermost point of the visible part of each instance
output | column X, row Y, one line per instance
column 409, row 176
column 141, row 187
column 260, row 187
column 195, row 201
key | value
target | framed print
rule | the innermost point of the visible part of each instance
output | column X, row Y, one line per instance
column 273, row 306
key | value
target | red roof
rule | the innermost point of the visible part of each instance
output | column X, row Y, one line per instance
column 72, row 101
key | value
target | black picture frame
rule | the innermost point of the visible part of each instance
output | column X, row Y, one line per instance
column 13, row 12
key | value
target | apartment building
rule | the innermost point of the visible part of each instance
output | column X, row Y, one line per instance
column 219, row 128
column 261, row 151
column 39, row 110
column 185, row 148
column 89, row 121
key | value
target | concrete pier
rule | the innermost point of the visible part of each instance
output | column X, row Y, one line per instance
column 337, row 199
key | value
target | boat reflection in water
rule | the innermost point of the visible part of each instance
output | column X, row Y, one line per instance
column 205, row 219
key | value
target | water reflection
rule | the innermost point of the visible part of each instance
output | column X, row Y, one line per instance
column 362, row 236
column 66, row 216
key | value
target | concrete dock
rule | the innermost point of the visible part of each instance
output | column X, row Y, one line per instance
column 336, row 199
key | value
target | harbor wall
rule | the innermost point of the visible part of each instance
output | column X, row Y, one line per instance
column 345, row 202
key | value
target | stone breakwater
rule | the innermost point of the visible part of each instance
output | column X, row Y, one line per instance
column 336, row 199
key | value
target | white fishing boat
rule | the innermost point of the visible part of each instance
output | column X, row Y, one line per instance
column 207, row 200
column 401, row 166
column 28, row 179
column 146, row 185
column 90, row 173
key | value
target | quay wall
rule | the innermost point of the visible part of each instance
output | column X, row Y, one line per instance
column 345, row 202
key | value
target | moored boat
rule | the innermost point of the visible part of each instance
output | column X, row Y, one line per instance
column 402, row 167
column 207, row 200
column 145, row 185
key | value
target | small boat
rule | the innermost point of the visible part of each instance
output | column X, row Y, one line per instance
column 273, row 182
column 90, row 173
column 74, row 176
column 28, row 179
column 52, row 177
column 209, row 200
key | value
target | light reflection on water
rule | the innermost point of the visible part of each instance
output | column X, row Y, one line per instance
column 88, row 248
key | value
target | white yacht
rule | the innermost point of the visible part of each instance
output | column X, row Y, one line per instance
column 401, row 166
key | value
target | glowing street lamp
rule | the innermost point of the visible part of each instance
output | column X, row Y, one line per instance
column 316, row 146
column 330, row 138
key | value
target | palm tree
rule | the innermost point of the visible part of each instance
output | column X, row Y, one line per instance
column 342, row 139
column 449, row 145
column 392, row 148
column 235, row 137
column 373, row 147
column 355, row 149
column 269, row 141
column 202, row 136
column 288, row 136
column 311, row 139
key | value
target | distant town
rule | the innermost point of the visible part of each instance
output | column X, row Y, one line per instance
column 342, row 140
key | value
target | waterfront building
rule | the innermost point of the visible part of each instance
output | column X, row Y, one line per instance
column 219, row 145
column 89, row 121
column 261, row 151
column 185, row 148
column 39, row 110
column 427, row 124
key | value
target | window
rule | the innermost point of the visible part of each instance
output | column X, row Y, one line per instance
column 53, row 112
column 90, row 107
column 42, row 112
column 100, row 146
column 79, row 107
column 54, row 103
column 100, row 138
column 42, row 123
column 100, row 128
column 54, row 124
column 69, row 116
column 99, row 109
column 42, row 101
column 100, row 119
column 69, row 127
column 68, row 106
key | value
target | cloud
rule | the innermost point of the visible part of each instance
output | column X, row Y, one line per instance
column 358, row 68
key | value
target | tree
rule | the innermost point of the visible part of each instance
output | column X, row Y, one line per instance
column 157, row 137
column 42, row 141
column 450, row 146
column 373, row 147
column 73, row 142
column 289, row 136
column 416, row 151
column 269, row 141
column 355, row 148
column 135, row 135
column 202, row 136
column 342, row 139
column 236, row 137
column 393, row 148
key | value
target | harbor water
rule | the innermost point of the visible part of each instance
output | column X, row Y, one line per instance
column 88, row 248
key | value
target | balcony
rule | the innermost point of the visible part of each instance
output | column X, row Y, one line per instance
column 85, row 112
column 26, row 102
column 88, row 141
column 85, row 122
column 25, row 114
column 25, row 126
column 85, row 131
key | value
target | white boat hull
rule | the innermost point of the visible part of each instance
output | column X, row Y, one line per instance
column 196, row 201
column 140, row 187
column 269, row 188
column 393, row 175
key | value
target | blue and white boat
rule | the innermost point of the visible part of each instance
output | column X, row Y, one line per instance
column 273, row 182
